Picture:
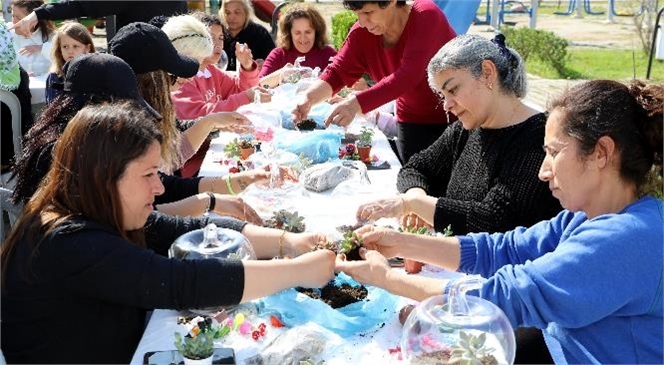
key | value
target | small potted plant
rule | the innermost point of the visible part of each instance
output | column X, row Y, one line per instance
column 412, row 266
column 247, row 148
column 196, row 349
column 363, row 144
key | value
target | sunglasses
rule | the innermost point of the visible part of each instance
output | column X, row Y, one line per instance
column 173, row 78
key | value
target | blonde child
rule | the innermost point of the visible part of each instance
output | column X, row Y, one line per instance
column 71, row 40
column 33, row 47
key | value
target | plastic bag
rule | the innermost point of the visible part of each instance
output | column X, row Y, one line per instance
column 266, row 201
column 325, row 176
column 305, row 344
column 318, row 146
column 295, row 309
column 318, row 113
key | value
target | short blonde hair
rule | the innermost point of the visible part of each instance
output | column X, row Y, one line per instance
column 246, row 5
column 189, row 36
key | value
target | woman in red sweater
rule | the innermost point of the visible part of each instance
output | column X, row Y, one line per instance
column 393, row 42
column 302, row 33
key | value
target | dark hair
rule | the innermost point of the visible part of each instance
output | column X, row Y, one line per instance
column 631, row 115
column 357, row 5
column 207, row 19
column 45, row 26
column 89, row 158
column 302, row 11
column 42, row 135
column 73, row 30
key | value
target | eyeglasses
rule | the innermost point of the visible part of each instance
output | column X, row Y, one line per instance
column 174, row 79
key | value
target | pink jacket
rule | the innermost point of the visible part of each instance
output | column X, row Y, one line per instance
column 216, row 91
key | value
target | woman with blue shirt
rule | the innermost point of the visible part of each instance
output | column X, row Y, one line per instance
column 591, row 277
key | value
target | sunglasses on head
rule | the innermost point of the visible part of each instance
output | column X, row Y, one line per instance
column 173, row 79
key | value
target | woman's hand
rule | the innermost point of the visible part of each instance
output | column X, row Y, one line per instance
column 297, row 244
column 413, row 220
column 382, row 208
column 28, row 50
column 235, row 207
column 317, row 268
column 385, row 240
column 25, row 26
column 244, row 56
column 285, row 174
column 372, row 270
column 265, row 95
column 302, row 109
column 230, row 122
column 344, row 112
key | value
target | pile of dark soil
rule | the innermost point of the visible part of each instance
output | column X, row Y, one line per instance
column 306, row 125
column 336, row 296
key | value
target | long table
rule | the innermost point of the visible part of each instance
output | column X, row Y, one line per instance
column 322, row 213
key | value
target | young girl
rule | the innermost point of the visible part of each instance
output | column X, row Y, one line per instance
column 71, row 39
column 33, row 48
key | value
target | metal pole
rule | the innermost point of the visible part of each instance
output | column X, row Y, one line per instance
column 652, row 45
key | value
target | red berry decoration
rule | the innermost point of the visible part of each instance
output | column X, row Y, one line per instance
column 275, row 322
column 350, row 148
column 261, row 327
column 255, row 335
column 233, row 170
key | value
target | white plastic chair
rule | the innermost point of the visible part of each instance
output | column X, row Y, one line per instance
column 11, row 100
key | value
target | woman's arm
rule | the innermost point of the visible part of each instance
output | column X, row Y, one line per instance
column 202, row 203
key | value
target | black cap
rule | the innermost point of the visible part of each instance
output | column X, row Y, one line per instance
column 147, row 48
column 100, row 73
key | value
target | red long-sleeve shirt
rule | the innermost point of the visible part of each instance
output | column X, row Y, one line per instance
column 400, row 71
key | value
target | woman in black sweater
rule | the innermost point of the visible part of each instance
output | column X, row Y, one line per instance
column 77, row 274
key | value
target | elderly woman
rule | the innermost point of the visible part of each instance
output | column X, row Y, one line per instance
column 211, row 90
column 591, row 277
column 243, row 31
column 76, row 268
column 302, row 33
column 392, row 41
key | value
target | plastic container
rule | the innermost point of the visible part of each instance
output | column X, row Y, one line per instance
column 458, row 329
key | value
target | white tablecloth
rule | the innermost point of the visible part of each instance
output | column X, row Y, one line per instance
column 322, row 213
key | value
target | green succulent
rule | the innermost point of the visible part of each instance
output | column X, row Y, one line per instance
column 288, row 221
column 349, row 242
column 471, row 350
column 196, row 347
column 232, row 149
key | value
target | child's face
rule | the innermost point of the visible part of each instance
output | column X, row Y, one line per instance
column 19, row 13
column 71, row 48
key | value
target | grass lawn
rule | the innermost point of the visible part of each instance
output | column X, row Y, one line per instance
column 601, row 64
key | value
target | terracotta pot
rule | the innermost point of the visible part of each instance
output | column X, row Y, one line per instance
column 412, row 266
column 364, row 153
column 246, row 152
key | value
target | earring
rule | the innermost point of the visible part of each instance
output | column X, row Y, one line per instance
column 489, row 86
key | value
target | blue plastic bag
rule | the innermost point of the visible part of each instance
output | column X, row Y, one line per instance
column 318, row 113
column 319, row 146
column 295, row 309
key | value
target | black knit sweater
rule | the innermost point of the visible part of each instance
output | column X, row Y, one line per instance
column 485, row 179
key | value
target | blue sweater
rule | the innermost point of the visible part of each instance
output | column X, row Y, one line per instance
column 594, row 286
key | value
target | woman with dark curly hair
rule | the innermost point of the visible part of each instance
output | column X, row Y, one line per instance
column 302, row 33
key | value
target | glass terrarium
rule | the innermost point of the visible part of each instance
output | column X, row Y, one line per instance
column 458, row 329
column 212, row 242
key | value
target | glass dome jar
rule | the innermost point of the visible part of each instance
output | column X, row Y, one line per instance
column 458, row 329
column 212, row 242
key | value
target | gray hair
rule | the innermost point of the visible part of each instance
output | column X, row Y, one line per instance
column 468, row 51
column 189, row 36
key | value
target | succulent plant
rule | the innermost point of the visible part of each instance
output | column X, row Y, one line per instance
column 200, row 346
column 349, row 242
column 289, row 221
column 471, row 350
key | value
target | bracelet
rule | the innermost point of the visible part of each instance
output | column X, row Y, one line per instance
column 228, row 185
column 212, row 202
column 281, row 244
